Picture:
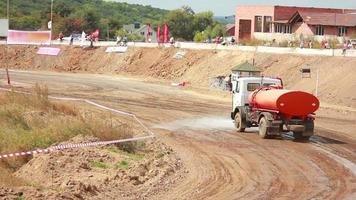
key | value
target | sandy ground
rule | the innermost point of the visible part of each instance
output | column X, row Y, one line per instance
column 221, row 163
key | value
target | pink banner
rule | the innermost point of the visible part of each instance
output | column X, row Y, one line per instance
column 48, row 51
column 29, row 37
column 165, row 33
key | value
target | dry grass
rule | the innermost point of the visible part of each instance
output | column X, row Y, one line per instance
column 33, row 121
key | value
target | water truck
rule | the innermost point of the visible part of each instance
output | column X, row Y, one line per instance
column 262, row 102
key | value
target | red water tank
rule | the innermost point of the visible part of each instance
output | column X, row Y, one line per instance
column 295, row 103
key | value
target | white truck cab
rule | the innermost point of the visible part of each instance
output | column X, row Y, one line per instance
column 242, row 87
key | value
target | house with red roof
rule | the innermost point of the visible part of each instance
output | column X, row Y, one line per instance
column 288, row 22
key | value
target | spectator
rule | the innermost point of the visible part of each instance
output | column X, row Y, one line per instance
column 125, row 40
column 290, row 44
column 171, row 41
column 217, row 40
column 310, row 44
column 61, row 35
column 233, row 40
column 344, row 48
column 118, row 40
column 327, row 46
column 301, row 45
column 91, row 39
column 323, row 44
column 71, row 39
column 349, row 44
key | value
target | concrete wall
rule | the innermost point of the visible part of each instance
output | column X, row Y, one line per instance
column 203, row 46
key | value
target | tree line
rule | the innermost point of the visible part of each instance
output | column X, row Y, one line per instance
column 74, row 16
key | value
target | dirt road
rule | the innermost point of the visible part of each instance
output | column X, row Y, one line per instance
column 221, row 163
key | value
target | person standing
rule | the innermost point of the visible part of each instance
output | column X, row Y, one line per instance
column 301, row 45
column 344, row 48
column 71, row 39
column 82, row 39
column 61, row 35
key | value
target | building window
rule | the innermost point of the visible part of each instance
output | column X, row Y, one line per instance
column 342, row 31
column 319, row 30
column 277, row 28
column 137, row 25
column 287, row 28
column 267, row 24
column 258, row 23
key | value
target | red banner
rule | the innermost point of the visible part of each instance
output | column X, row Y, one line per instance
column 29, row 37
column 166, row 33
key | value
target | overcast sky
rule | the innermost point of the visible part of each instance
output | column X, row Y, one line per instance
column 227, row 7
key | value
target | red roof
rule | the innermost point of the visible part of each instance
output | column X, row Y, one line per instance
column 327, row 19
column 230, row 26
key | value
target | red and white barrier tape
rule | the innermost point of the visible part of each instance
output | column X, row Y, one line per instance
column 81, row 145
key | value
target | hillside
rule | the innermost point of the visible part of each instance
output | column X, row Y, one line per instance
column 71, row 15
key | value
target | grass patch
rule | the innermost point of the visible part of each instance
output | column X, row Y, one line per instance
column 124, row 165
column 129, row 156
column 98, row 164
column 33, row 121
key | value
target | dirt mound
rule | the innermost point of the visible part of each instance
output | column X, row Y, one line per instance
column 337, row 79
column 98, row 173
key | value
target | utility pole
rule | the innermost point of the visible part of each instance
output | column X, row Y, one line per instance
column 7, row 46
column 51, row 19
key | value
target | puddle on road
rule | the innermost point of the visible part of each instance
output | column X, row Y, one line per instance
column 204, row 123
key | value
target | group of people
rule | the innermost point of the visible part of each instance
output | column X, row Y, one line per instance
column 84, row 37
column 324, row 44
column 222, row 41
column 347, row 45
column 121, row 41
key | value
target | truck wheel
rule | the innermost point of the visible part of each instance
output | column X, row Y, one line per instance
column 299, row 136
column 239, row 123
column 263, row 129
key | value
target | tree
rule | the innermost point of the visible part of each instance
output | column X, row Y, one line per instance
column 203, row 20
column 181, row 22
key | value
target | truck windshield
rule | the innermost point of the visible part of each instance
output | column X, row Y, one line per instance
column 252, row 86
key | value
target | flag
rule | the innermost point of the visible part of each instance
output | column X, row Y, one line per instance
column 165, row 33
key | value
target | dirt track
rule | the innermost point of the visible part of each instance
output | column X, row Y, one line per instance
column 222, row 164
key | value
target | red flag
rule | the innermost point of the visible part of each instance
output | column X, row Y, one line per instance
column 166, row 33
column 159, row 34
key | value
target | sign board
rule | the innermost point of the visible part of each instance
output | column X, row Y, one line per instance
column 4, row 26
column 306, row 72
column 48, row 51
column 29, row 37
column 116, row 49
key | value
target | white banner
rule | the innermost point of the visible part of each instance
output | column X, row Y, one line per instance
column 116, row 49
column 4, row 26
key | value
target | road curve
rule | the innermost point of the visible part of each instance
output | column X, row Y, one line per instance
column 220, row 163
